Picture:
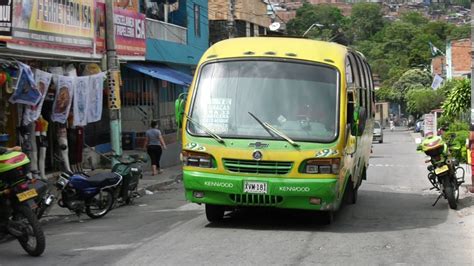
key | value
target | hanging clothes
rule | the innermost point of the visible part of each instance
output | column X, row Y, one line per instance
column 63, row 99
column 94, row 113
column 81, row 96
column 42, row 81
column 25, row 91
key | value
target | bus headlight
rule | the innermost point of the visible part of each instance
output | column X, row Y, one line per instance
column 320, row 166
column 197, row 159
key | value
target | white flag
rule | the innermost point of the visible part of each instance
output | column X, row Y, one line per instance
column 437, row 80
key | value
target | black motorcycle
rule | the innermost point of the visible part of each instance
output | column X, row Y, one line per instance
column 45, row 197
column 445, row 174
column 131, row 171
column 17, row 204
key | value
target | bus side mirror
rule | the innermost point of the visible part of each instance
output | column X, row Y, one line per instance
column 179, row 106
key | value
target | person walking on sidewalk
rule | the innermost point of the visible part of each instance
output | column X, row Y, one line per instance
column 154, row 145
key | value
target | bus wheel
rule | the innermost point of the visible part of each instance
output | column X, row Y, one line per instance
column 214, row 213
column 328, row 217
column 350, row 194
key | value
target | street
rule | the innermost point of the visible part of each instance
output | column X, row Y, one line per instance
column 393, row 222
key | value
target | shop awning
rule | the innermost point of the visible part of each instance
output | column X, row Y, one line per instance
column 162, row 72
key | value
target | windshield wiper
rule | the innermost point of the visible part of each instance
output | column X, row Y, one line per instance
column 271, row 129
column 208, row 131
column 262, row 124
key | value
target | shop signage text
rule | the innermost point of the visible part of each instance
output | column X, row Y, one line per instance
column 5, row 19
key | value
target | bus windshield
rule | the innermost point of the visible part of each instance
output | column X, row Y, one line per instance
column 299, row 100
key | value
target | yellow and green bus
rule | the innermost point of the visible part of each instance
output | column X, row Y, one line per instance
column 276, row 122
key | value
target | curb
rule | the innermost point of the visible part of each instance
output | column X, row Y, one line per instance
column 161, row 184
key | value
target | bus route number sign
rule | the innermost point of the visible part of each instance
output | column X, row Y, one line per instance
column 255, row 187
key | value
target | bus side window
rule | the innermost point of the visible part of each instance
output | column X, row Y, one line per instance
column 363, row 81
column 350, row 107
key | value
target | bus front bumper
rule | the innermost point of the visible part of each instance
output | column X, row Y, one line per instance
column 289, row 193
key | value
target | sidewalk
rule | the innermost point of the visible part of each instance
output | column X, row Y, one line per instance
column 151, row 183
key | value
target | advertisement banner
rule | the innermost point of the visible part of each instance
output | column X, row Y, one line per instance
column 54, row 23
column 430, row 125
column 5, row 19
column 129, row 31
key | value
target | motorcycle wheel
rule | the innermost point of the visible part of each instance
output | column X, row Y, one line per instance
column 131, row 195
column 100, row 204
column 452, row 194
column 34, row 242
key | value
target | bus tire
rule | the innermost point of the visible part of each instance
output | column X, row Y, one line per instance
column 327, row 217
column 215, row 213
column 350, row 193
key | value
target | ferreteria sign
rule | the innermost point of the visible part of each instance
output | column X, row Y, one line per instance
column 65, row 24
column 5, row 19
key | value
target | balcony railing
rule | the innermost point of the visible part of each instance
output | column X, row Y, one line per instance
column 160, row 30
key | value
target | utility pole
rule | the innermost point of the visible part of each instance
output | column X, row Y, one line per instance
column 471, row 135
column 230, row 19
column 113, row 82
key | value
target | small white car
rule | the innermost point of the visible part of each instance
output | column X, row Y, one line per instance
column 378, row 132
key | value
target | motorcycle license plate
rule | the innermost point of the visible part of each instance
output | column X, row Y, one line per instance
column 441, row 169
column 27, row 195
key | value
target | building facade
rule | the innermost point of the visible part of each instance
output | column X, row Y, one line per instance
column 249, row 18
column 177, row 36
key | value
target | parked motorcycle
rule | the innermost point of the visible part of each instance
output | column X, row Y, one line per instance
column 94, row 195
column 45, row 197
column 132, row 172
column 445, row 174
column 17, row 203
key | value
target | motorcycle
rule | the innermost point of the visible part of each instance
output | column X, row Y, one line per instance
column 445, row 174
column 45, row 198
column 132, row 172
column 94, row 195
column 17, row 203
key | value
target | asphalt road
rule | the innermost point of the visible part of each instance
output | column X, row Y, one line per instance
column 393, row 222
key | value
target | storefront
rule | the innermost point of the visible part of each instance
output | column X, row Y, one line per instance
column 53, row 67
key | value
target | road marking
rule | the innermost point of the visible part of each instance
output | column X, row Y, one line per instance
column 107, row 247
column 176, row 224
column 186, row 207
column 397, row 165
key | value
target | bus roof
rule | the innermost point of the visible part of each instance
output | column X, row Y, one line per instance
column 291, row 48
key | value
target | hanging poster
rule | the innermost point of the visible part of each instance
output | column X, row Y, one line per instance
column 96, row 88
column 63, row 99
column 5, row 19
column 42, row 80
column 81, row 96
column 25, row 91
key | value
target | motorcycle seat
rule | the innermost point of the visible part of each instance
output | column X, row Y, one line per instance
column 103, row 179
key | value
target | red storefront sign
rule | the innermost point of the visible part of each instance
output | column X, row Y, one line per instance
column 130, row 37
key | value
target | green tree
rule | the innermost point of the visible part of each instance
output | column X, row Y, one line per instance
column 328, row 16
column 414, row 18
column 413, row 78
column 460, row 32
column 365, row 21
column 388, row 94
column 421, row 100
column 459, row 99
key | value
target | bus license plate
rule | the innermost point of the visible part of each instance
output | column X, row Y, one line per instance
column 27, row 195
column 441, row 169
column 255, row 187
